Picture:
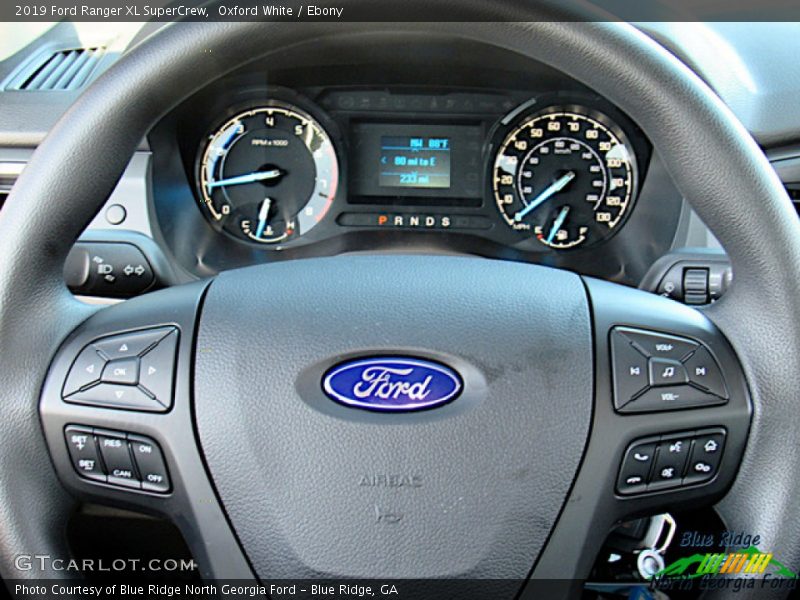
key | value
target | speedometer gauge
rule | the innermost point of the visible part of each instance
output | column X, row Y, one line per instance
column 268, row 174
column 566, row 177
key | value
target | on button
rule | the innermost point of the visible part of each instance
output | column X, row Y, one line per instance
column 150, row 461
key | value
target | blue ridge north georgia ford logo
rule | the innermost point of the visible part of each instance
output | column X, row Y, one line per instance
column 392, row 384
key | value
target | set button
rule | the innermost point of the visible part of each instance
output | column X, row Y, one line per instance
column 132, row 371
column 118, row 458
column 654, row 372
column 83, row 452
column 671, row 461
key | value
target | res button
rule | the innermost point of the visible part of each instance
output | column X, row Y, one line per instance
column 119, row 465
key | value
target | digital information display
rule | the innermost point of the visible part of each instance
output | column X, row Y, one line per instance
column 414, row 162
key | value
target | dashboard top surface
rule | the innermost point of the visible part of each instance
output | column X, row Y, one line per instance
column 750, row 65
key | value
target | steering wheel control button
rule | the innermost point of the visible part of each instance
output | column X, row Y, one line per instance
column 636, row 466
column 124, row 371
column 117, row 458
column 706, row 456
column 85, row 371
column 130, row 371
column 680, row 373
column 630, row 370
column 158, row 367
column 658, row 345
column 127, row 397
column 665, row 371
column 83, row 452
column 670, row 462
column 672, row 398
column 705, row 373
column 129, row 345
column 150, row 462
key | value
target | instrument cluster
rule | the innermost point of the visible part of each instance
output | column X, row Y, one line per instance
column 544, row 173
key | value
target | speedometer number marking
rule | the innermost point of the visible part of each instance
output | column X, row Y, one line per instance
column 564, row 176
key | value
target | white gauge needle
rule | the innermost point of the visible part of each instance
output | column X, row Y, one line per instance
column 248, row 178
column 262, row 216
column 555, row 187
column 562, row 216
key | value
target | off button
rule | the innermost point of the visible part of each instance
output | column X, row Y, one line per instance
column 150, row 461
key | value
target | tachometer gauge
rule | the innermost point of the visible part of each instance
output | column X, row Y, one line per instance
column 268, row 174
column 565, row 177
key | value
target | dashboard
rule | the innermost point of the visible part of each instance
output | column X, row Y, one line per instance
column 560, row 174
column 518, row 163
column 434, row 146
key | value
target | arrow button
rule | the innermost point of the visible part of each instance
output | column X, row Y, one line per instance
column 85, row 371
column 157, row 369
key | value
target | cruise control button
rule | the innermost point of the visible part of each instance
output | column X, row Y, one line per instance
column 118, row 461
column 128, row 345
column 657, row 345
column 629, row 370
column 665, row 371
column 150, row 461
column 85, row 371
column 672, row 398
column 124, row 371
column 635, row 467
column 672, row 454
column 83, row 452
column 706, row 456
column 158, row 367
column 704, row 372
column 117, row 396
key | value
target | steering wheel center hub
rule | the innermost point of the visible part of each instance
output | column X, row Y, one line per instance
column 317, row 488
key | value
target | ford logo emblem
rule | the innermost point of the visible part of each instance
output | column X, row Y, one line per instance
column 392, row 384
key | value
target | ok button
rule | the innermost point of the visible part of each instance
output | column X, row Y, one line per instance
column 123, row 371
column 665, row 371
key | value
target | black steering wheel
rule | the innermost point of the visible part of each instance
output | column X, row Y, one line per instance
column 517, row 479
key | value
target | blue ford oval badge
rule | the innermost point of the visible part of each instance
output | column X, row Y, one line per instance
column 392, row 384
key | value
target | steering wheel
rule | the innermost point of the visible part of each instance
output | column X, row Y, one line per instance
column 518, row 478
